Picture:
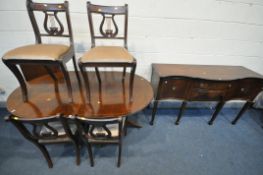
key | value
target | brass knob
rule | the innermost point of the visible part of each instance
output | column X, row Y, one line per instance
column 174, row 88
column 201, row 84
column 165, row 82
column 230, row 85
column 242, row 89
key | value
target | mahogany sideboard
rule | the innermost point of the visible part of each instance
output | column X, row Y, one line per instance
column 204, row 83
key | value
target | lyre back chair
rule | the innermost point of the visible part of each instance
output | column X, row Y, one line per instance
column 101, row 131
column 51, row 130
column 107, row 56
column 46, row 55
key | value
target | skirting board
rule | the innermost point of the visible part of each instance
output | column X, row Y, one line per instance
column 176, row 104
column 2, row 104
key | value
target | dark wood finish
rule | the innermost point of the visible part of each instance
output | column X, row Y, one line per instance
column 109, row 13
column 219, row 106
column 53, row 137
column 205, row 83
column 244, row 108
column 180, row 112
column 49, row 10
column 110, row 100
column 107, row 102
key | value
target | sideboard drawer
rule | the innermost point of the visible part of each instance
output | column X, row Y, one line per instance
column 202, row 84
column 173, row 88
column 246, row 89
column 202, row 94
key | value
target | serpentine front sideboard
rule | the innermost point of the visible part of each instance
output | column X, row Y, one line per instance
column 204, row 83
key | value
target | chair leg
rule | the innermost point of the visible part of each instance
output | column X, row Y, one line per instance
column 76, row 67
column 98, row 74
column 119, row 155
column 132, row 80
column 123, row 73
column 77, row 149
column 86, row 80
column 23, row 130
column 73, row 137
column 51, row 74
column 45, row 153
column 20, row 79
column 67, row 79
column 90, row 154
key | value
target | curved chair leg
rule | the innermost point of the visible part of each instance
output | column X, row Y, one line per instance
column 77, row 149
column 76, row 67
column 20, row 79
column 124, row 73
column 50, row 72
column 90, row 154
column 86, row 80
column 72, row 136
column 119, row 155
column 67, row 79
column 132, row 80
column 44, row 151
column 23, row 130
column 98, row 74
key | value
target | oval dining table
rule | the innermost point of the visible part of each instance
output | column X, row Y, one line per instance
column 110, row 99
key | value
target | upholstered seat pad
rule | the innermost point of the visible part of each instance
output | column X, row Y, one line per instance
column 107, row 54
column 37, row 52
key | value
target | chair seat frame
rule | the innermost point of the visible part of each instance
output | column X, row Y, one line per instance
column 41, row 141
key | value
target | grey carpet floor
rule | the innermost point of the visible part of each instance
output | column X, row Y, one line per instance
column 191, row 148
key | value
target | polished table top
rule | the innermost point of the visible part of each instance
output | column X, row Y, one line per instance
column 112, row 100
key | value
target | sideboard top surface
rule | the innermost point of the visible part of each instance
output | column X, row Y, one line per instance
column 210, row 72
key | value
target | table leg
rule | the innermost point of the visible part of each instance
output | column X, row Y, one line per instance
column 219, row 106
column 244, row 108
column 155, row 105
column 180, row 113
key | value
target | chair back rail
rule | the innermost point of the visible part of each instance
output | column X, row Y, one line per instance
column 52, row 24
column 108, row 14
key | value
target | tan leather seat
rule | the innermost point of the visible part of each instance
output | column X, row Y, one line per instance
column 107, row 54
column 37, row 52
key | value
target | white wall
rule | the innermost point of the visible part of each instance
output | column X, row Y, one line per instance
column 225, row 32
